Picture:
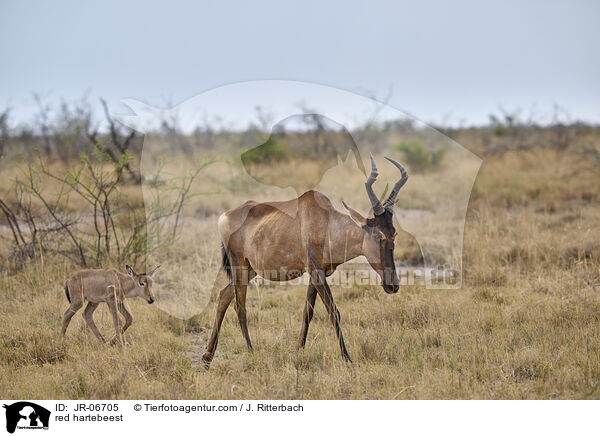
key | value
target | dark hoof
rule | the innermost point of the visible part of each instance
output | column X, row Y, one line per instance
column 115, row 341
column 206, row 360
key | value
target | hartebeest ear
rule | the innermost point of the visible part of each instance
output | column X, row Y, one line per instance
column 356, row 216
column 130, row 271
column 151, row 273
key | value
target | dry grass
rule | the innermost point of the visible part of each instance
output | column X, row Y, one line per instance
column 526, row 323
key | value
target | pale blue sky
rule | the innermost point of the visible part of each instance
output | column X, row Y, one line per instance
column 460, row 58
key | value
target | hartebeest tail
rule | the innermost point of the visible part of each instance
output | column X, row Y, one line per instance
column 281, row 240
column 226, row 263
column 67, row 292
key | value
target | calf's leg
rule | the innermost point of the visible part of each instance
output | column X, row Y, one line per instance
column 112, row 307
column 72, row 310
column 127, row 315
column 88, row 315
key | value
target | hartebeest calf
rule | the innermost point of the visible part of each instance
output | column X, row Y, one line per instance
column 106, row 286
column 282, row 240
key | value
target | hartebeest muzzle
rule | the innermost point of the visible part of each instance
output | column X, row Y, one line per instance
column 390, row 282
column 391, row 289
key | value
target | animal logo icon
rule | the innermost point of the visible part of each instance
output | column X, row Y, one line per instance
column 26, row 415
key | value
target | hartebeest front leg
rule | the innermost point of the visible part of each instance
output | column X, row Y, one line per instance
column 334, row 314
column 309, row 308
column 88, row 315
column 318, row 280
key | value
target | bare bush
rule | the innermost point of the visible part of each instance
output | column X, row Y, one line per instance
column 116, row 144
column 108, row 229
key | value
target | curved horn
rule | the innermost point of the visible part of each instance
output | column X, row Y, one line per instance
column 377, row 207
column 389, row 203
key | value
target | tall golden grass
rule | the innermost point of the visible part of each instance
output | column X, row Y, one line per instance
column 525, row 324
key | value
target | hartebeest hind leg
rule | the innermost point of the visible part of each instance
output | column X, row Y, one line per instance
column 309, row 308
column 318, row 280
column 225, row 298
column 88, row 315
column 242, row 277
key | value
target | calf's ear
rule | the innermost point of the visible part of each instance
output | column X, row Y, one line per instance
column 129, row 270
column 151, row 273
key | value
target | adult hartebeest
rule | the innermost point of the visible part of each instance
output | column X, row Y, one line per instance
column 282, row 240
